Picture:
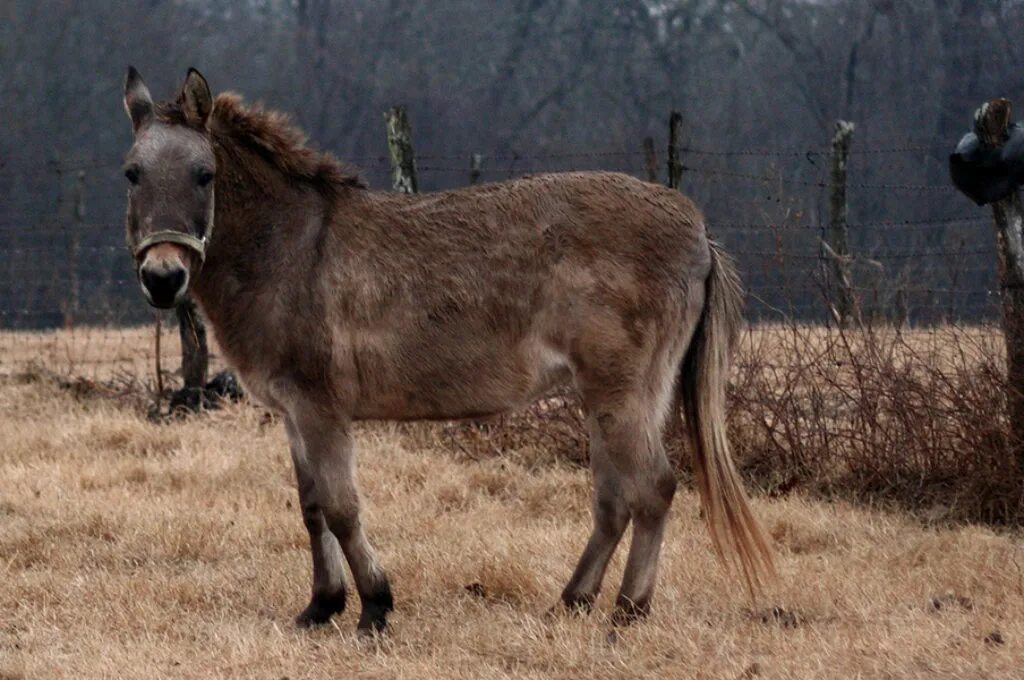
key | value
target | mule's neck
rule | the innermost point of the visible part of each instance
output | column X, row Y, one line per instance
column 261, row 218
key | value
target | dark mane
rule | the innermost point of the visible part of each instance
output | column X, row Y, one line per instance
column 271, row 135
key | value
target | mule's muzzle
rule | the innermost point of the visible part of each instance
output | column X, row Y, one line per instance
column 163, row 283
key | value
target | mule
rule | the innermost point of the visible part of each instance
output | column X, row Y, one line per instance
column 334, row 303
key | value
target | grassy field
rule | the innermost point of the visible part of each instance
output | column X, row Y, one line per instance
column 130, row 548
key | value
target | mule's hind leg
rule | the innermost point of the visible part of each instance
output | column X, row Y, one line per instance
column 650, row 484
column 328, row 596
column 611, row 516
column 329, row 450
column 627, row 400
column 631, row 439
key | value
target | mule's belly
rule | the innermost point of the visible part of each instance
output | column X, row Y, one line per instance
column 457, row 381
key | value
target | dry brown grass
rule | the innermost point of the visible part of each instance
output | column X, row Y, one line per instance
column 135, row 549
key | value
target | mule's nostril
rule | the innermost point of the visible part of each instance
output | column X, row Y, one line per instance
column 163, row 286
column 170, row 280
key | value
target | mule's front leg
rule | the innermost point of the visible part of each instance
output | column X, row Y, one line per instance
column 331, row 457
column 328, row 574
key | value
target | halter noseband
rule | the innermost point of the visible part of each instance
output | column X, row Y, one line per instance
column 195, row 243
column 181, row 238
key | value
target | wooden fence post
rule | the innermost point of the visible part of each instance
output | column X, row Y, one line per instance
column 902, row 308
column 61, row 221
column 991, row 121
column 195, row 356
column 403, row 160
column 650, row 160
column 838, row 249
column 675, row 151
column 476, row 162
column 74, row 239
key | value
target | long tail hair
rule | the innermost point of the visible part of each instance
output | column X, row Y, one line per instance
column 735, row 533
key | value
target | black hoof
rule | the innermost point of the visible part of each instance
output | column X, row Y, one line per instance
column 578, row 604
column 373, row 619
column 627, row 612
column 320, row 610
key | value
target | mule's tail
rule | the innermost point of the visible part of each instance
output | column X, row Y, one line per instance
column 735, row 534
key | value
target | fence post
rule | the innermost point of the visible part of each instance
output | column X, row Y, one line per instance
column 403, row 161
column 61, row 221
column 675, row 142
column 74, row 239
column 650, row 160
column 476, row 162
column 991, row 121
column 902, row 308
column 838, row 249
column 195, row 356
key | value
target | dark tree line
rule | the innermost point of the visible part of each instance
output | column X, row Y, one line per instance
column 533, row 85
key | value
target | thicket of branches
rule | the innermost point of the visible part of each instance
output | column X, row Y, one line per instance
column 523, row 83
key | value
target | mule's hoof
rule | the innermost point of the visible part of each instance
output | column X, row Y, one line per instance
column 374, row 618
column 573, row 605
column 373, row 630
column 627, row 612
column 320, row 610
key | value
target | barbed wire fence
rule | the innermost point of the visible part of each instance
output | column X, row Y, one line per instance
column 69, row 299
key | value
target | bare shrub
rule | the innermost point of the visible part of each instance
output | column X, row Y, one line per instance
column 878, row 413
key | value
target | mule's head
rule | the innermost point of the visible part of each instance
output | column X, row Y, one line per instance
column 170, row 171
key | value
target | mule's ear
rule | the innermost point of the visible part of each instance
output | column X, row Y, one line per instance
column 137, row 100
column 196, row 100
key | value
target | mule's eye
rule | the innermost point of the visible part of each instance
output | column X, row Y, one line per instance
column 204, row 178
column 132, row 173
